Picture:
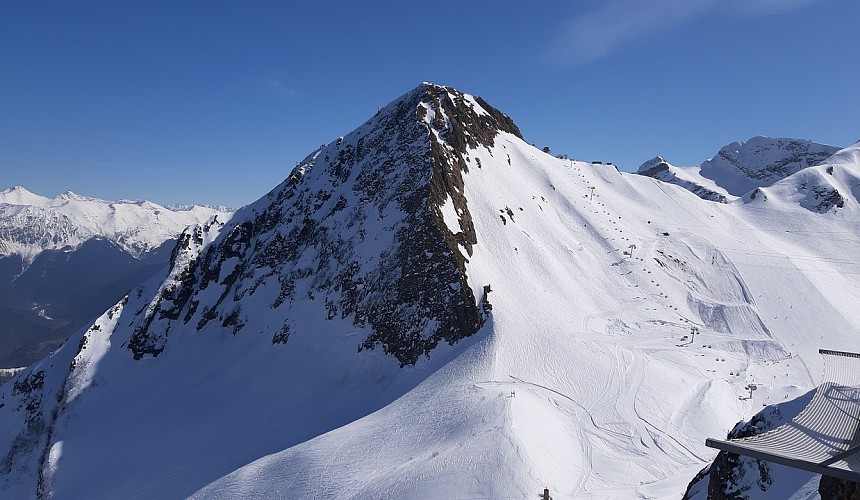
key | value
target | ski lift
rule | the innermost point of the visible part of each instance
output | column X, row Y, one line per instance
column 751, row 388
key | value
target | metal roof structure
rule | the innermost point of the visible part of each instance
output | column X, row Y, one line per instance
column 824, row 437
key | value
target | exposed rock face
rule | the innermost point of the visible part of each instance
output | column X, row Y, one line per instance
column 35, row 403
column 837, row 489
column 61, row 291
column 357, row 228
column 823, row 189
column 30, row 397
column 39, row 228
column 827, row 198
column 37, row 399
column 731, row 476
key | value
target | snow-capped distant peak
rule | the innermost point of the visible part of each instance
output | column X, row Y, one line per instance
column 72, row 196
column 30, row 223
column 743, row 166
column 830, row 186
column 19, row 195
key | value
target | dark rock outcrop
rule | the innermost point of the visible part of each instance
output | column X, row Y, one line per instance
column 831, row 488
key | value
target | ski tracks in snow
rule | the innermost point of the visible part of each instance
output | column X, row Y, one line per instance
column 650, row 436
column 598, row 420
column 585, row 426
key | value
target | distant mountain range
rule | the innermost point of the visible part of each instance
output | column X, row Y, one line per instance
column 741, row 167
column 63, row 260
column 429, row 307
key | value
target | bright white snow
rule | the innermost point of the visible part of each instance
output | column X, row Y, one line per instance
column 30, row 223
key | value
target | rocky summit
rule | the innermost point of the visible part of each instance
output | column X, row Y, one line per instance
column 357, row 228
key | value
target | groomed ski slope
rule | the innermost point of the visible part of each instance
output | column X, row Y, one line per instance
column 585, row 380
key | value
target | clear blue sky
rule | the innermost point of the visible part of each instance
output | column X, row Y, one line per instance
column 215, row 101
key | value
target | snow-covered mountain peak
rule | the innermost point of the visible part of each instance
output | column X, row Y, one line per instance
column 72, row 196
column 657, row 161
column 760, row 161
column 30, row 224
column 19, row 195
column 833, row 185
column 396, row 179
column 741, row 167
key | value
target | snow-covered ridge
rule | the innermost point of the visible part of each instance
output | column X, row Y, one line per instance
column 688, row 178
column 30, row 223
column 833, row 185
column 741, row 167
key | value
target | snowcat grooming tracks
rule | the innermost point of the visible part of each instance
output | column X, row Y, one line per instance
column 824, row 437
